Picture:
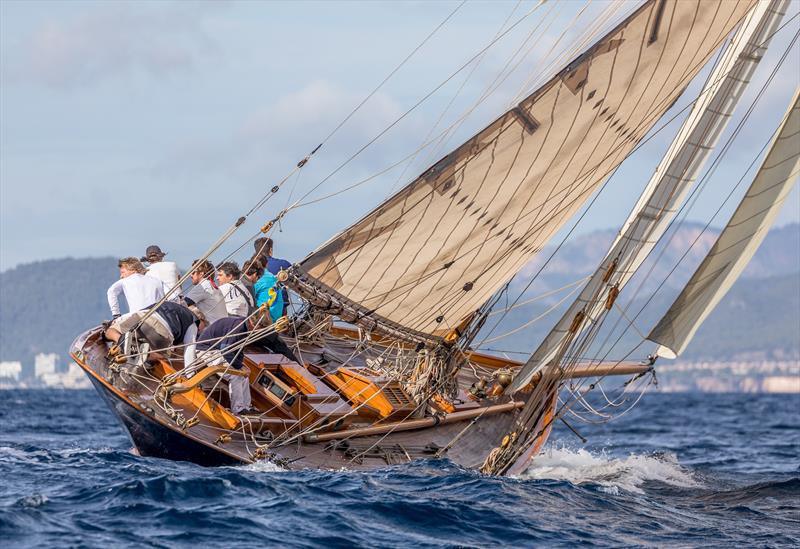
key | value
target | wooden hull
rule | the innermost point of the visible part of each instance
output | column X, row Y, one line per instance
column 155, row 433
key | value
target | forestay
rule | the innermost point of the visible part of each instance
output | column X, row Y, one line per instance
column 434, row 252
column 665, row 192
column 738, row 241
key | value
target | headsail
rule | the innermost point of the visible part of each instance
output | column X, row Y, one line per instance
column 436, row 251
column 738, row 241
column 668, row 186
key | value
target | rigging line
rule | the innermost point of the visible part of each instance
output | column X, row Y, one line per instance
column 417, row 104
column 532, row 321
column 452, row 100
column 587, row 175
column 457, row 71
column 396, row 69
column 424, row 145
column 302, row 163
column 636, row 243
column 555, row 62
column 695, row 193
column 571, row 187
column 569, row 51
column 496, row 83
column 319, row 424
column 539, row 296
column 490, row 89
column 556, row 415
column 428, row 142
column 604, row 185
column 676, row 115
column 494, row 146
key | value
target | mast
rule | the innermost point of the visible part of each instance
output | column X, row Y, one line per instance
column 665, row 192
column 426, row 259
column 737, row 242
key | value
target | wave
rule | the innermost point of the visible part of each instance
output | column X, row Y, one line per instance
column 611, row 474
column 777, row 489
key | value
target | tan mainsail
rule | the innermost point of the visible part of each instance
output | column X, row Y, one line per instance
column 665, row 192
column 738, row 241
column 436, row 251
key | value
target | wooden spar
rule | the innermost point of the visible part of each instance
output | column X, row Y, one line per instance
column 610, row 369
column 600, row 370
column 416, row 423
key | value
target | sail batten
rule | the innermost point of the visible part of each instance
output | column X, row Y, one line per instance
column 737, row 242
column 433, row 253
column 669, row 185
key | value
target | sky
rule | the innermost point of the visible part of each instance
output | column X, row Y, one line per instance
column 125, row 124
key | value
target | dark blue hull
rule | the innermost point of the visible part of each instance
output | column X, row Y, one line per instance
column 155, row 440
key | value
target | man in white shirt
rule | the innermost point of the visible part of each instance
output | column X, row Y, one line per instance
column 140, row 291
column 165, row 271
column 238, row 299
column 205, row 294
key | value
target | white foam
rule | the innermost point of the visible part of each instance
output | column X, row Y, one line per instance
column 611, row 474
column 34, row 500
column 263, row 467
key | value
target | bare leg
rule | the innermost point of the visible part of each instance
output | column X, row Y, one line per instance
column 112, row 334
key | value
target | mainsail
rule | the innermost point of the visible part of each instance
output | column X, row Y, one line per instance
column 668, row 186
column 432, row 254
column 738, row 241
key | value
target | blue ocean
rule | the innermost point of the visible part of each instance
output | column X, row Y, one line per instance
column 682, row 470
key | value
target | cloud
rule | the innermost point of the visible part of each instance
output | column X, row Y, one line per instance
column 274, row 137
column 113, row 39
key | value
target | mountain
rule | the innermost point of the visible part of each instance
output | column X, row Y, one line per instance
column 44, row 305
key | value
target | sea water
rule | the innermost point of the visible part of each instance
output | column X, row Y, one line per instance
column 678, row 470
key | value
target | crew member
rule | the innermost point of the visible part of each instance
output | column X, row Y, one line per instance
column 166, row 271
column 171, row 324
column 267, row 291
column 205, row 294
column 238, row 299
column 253, row 270
column 264, row 247
column 140, row 291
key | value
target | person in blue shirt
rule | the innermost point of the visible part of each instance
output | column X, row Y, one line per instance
column 274, row 265
column 267, row 291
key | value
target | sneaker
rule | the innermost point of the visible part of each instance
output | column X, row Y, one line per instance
column 248, row 412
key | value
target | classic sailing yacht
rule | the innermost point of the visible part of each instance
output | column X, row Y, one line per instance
column 393, row 304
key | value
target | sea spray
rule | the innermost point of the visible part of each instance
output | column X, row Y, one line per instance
column 629, row 473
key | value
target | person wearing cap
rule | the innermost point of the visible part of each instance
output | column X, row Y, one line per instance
column 171, row 324
column 238, row 299
column 140, row 291
column 166, row 271
column 205, row 294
